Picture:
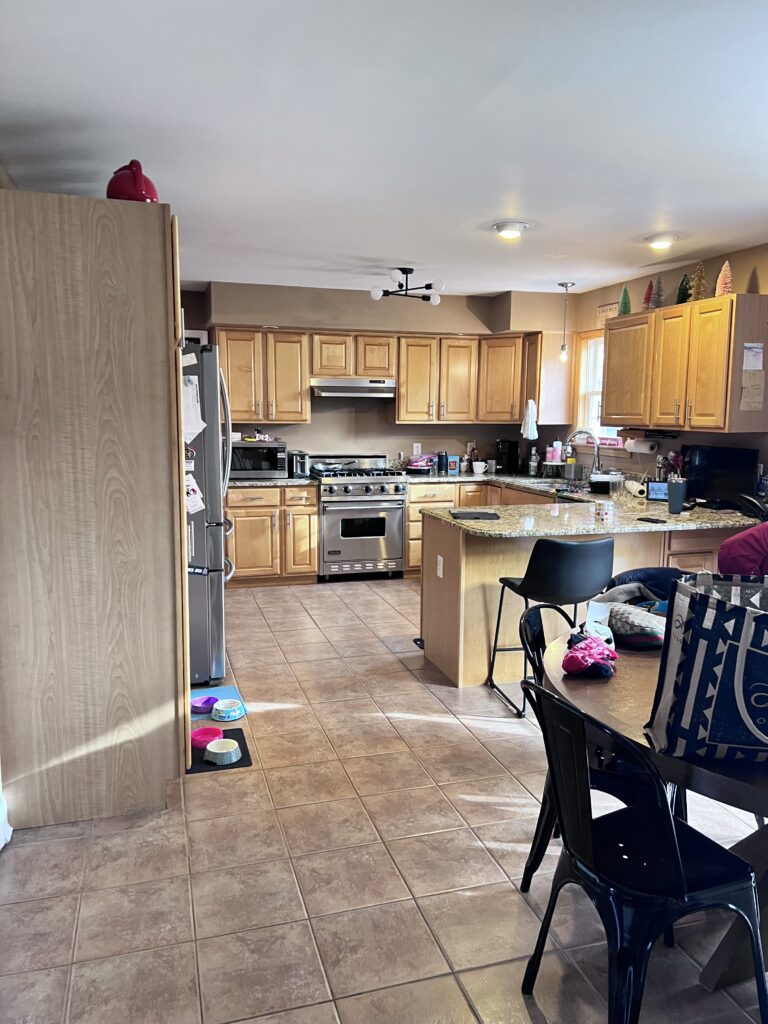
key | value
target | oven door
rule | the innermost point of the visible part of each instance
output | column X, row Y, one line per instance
column 362, row 533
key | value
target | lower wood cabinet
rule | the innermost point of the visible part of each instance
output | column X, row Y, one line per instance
column 255, row 542
column 300, row 528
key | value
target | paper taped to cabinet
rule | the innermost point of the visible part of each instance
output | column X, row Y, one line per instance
column 752, row 390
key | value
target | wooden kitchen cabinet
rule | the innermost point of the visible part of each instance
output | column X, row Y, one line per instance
column 300, row 541
column 498, row 399
column 241, row 358
column 670, row 366
column 458, row 380
column 333, row 355
column 287, row 377
column 375, row 356
column 627, row 371
column 472, row 495
column 546, row 379
column 417, row 380
column 708, row 362
column 512, row 496
column 254, row 545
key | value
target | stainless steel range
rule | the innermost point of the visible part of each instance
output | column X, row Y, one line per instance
column 362, row 514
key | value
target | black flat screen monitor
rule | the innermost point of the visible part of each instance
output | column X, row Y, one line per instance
column 714, row 472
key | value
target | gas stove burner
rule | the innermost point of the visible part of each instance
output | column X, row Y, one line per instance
column 355, row 474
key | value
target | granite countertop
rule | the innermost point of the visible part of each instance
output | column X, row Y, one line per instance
column 522, row 483
column 578, row 520
column 274, row 482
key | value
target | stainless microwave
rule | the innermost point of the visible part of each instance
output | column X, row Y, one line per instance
column 259, row 460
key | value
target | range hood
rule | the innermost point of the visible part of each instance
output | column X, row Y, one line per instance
column 352, row 387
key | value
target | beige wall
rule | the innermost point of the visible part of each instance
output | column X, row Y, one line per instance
column 750, row 274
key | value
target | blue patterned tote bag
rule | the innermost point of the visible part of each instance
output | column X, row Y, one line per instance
column 712, row 695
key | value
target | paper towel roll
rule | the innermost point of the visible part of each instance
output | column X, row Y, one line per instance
column 635, row 489
column 641, row 447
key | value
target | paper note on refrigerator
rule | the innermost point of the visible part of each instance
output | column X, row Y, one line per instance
column 753, row 355
column 193, row 494
column 190, row 409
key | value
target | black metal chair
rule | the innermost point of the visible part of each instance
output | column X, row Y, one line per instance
column 642, row 868
column 559, row 572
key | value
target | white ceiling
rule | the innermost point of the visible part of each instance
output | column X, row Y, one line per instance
column 320, row 143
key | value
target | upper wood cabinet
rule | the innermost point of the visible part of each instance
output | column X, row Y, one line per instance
column 670, row 366
column 333, row 355
column 498, row 399
column 375, row 356
column 707, row 395
column 287, row 377
column 417, row 380
column 241, row 358
column 546, row 379
column 627, row 368
column 458, row 380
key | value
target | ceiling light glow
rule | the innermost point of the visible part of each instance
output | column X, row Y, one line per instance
column 662, row 241
column 510, row 228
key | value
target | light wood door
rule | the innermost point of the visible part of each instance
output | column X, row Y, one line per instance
column 670, row 366
column 708, row 364
column 376, row 357
column 627, row 371
column 333, row 355
column 417, row 380
column 288, row 377
column 472, row 495
column 241, row 357
column 300, row 541
column 499, row 380
column 458, row 380
column 255, row 542
column 531, row 369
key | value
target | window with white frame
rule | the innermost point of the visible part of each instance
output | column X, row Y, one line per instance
column 590, row 385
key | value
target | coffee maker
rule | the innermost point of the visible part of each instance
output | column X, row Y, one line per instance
column 507, row 456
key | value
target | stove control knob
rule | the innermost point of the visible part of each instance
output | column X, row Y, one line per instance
column 399, row 488
column 332, row 489
column 368, row 489
column 383, row 488
column 347, row 489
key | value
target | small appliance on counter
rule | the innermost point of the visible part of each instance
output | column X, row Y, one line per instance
column 420, row 465
column 298, row 464
column 507, row 457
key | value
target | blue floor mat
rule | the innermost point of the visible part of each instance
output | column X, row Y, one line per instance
column 219, row 692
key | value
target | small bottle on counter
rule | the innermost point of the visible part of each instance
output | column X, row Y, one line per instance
column 557, row 444
column 533, row 462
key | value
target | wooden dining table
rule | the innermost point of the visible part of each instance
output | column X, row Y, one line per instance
column 624, row 703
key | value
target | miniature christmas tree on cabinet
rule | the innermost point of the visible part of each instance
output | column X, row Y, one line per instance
column 625, row 306
column 683, row 290
column 724, row 284
column 699, row 283
column 647, row 297
column 657, row 299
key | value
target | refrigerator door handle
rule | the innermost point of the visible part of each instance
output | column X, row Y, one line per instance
column 229, row 527
column 227, row 438
column 229, row 570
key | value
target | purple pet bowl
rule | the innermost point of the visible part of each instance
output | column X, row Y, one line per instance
column 202, row 705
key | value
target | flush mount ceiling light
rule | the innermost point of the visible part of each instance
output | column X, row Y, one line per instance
column 661, row 241
column 400, row 275
column 564, row 343
column 510, row 228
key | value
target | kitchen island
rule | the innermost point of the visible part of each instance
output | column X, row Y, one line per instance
column 463, row 560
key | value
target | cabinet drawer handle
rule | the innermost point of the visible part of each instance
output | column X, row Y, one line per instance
column 431, row 411
column 287, row 518
column 272, row 409
column 274, row 520
column 442, row 409
column 677, row 410
column 689, row 409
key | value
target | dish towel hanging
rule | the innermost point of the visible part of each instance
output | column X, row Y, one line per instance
column 528, row 429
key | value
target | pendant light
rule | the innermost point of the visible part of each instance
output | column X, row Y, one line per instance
column 405, row 290
column 564, row 344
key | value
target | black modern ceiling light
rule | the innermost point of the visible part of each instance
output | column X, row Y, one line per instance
column 400, row 275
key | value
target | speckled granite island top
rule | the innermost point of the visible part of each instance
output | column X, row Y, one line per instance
column 578, row 520
column 275, row 482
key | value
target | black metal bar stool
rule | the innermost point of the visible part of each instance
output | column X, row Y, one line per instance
column 559, row 572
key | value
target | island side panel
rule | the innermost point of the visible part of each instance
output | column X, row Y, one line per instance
column 442, row 604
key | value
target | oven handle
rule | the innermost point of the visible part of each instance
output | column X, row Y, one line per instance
column 370, row 506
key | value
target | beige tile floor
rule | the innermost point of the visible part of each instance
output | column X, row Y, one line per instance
column 363, row 871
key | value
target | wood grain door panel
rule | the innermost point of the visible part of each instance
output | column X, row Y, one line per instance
column 708, row 365
column 333, row 355
column 300, row 533
column 255, row 542
column 375, row 356
column 241, row 356
column 499, row 380
column 627, row 372
column 417, row 380
column 670, row 371
column 288, row 377
column 458, row 380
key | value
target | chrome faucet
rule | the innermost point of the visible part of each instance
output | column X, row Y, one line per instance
column 597, row 464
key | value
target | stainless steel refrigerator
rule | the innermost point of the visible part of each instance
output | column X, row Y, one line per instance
column 207, row 463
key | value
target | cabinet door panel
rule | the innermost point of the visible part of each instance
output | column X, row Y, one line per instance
column 708, row 363
column 694, row 561
column 300, row 533
column 627, row 372
column 255, row 543
column 458, row 380
column 472, row 495
column 499, row 380
column 417, row 380
column 332, row 355
column 375, row 356
column 241, row 357
column 288, row 377
column 670, row 369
